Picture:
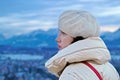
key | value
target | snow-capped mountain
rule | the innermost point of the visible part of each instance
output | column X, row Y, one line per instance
column 112, row 39
column 38, row 38
column 111, row 35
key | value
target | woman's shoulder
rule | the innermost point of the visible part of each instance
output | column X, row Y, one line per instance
column 80, row 71
column 110, row 72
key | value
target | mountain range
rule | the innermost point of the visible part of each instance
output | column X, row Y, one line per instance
column 112, row 39
column 40, row 38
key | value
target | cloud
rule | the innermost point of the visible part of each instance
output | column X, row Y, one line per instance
column 6, row 19
column 19, row 24
column 109, row 28
column 44, row 15
column 91, row 0
column 110, row 11
column 25, row 23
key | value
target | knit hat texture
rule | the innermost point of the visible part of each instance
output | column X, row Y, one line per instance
column 78, row 23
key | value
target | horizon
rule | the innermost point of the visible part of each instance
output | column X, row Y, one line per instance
column 103, row 30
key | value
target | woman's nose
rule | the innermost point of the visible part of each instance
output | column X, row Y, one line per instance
column 57, row 39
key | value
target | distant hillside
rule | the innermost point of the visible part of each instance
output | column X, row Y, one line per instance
column 40, row 38
column 112, row 39
column 36, row 38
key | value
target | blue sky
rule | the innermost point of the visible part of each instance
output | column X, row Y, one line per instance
column 22, row 16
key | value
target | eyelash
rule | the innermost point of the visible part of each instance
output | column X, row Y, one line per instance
column 62, row 32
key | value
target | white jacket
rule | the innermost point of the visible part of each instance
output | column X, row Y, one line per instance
column 66, row 64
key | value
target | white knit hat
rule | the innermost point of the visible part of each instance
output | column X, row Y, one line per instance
column 79, row 23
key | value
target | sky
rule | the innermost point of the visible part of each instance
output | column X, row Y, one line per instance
column 23, row 16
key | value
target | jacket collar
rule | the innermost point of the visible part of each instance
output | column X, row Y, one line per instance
column 92, row 48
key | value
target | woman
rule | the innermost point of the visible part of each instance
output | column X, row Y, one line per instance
column 82, row 55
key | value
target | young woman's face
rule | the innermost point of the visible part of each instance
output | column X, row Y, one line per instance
column 63, row 40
